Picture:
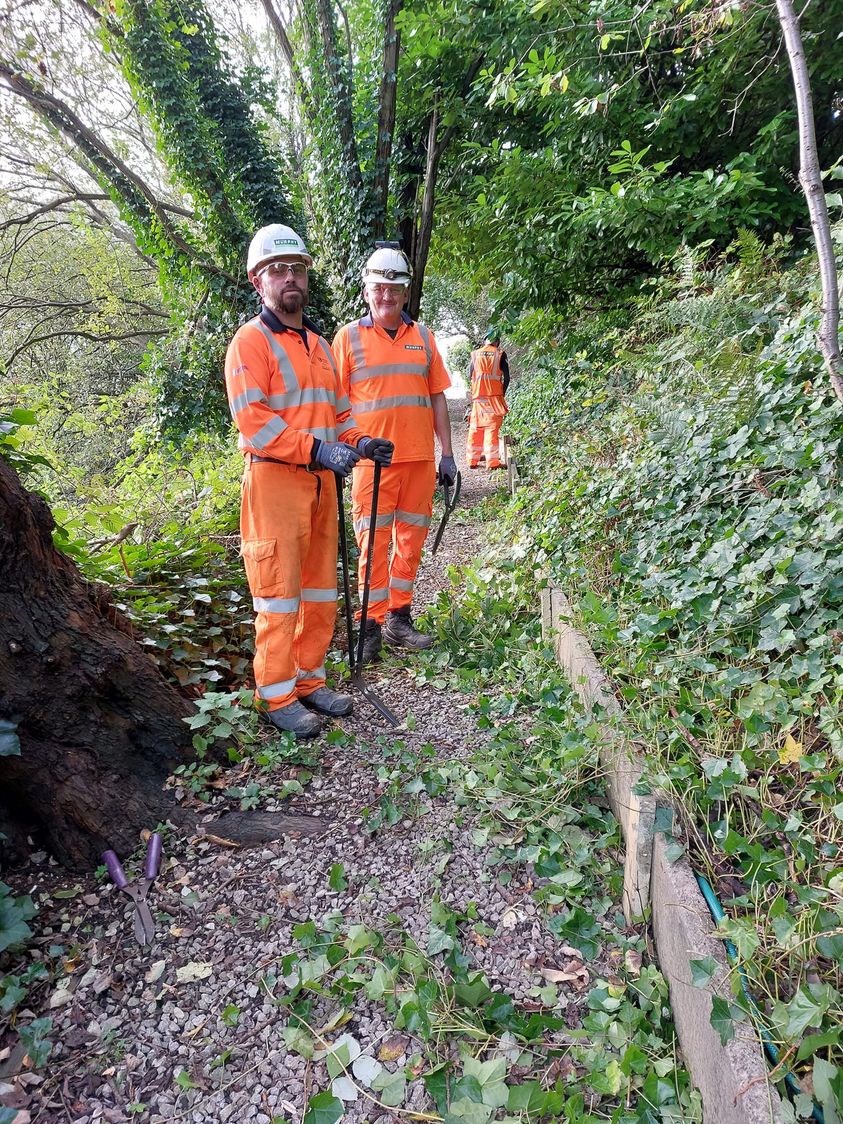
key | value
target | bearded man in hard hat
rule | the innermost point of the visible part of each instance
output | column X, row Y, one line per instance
column 394, row 376
column 488, row 375
column 296, row 432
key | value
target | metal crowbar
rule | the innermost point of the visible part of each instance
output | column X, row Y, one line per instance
column 355, row 660
column 450, row 504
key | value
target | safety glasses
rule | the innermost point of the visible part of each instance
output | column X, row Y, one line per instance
column 281, row 268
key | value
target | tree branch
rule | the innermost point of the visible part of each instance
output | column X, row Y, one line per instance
column 828, row 339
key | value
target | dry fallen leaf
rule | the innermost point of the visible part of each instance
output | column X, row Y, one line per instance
column 791, row 751
column 193, row 971
column 510, row 918
column 572, row 971
column 393, row 1048
column 156, row 971
column 632, row 960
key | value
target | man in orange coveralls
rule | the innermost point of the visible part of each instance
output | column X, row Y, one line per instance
column 394, row 376
column 488, row 374
column 296, row 432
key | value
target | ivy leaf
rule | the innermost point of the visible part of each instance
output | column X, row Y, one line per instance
column 391, row 1086
column 336, row 879
column 828, row 1089
column 323, row 1109
column 702, row 971
column 439, row 941
column 723, row 1017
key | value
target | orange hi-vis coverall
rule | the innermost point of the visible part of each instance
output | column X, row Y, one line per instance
column 389, row 383
column 488, row 406
column 284, row 392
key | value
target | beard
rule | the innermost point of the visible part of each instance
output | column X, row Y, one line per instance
column 289, row 300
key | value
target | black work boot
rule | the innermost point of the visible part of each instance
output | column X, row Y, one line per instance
column 399, row 632
column 294, row 719
column 372, row 642
column 333, row 703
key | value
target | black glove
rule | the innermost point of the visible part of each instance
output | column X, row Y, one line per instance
column 447, row 471
column 376, row 449
column 337, row 456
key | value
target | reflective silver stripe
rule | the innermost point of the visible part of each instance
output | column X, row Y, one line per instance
column 316, row 673
column 378, row 595
column 382, row 370
column 251, row 394
column 381, row 521
column 346, row 426
column 302, row 397
column 277, row 690
column 412, row 518
column 275, row 604
column 266, row 432
column 428, row 347
column 391, row 403
column 401, row 583
column 319, row 594
column 285, row 365
column 357, row 350
column 324, row 433
column 343, row 404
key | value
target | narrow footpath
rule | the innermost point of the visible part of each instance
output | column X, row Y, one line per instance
column 287, row 980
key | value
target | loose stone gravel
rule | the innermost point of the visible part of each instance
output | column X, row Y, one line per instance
column 127, row 1028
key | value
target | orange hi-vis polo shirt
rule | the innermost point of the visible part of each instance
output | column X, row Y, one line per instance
column 390, row 382
column 283, row 394
column 486, row 377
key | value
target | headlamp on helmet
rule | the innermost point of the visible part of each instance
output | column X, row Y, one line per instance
column 387, row 265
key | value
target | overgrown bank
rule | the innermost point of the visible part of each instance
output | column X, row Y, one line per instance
column 682, row 459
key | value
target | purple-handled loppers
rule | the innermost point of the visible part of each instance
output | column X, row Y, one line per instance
column 144, row 925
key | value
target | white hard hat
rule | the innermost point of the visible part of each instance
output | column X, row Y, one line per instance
column 388, row 264
column 275, row 241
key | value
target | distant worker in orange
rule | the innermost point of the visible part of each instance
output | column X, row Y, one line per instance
column 488, row 374
column 296, row 432
column 394, row 376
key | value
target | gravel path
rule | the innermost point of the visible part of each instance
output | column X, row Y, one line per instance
column 127, row 1022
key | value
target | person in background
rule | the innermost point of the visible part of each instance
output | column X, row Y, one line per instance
column 395, row 378
column 296, row 432
column 488, row 375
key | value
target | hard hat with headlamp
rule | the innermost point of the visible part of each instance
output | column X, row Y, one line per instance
column 275, row 241
column 387, row 265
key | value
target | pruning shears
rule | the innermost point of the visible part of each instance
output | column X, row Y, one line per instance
column 450, row 504
column 137, row 891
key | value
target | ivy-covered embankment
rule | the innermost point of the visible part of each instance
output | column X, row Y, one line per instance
column 681, row 461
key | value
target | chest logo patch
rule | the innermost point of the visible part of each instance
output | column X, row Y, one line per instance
column 413, row 347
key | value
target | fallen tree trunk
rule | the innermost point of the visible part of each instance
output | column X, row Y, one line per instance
column 99, row 727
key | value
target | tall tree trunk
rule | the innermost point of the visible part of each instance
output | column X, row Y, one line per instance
column 386, row 117
column 99, row 728
column 811, row 180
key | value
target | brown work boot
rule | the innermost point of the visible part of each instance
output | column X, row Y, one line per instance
column 372, row 642
column 398, row 632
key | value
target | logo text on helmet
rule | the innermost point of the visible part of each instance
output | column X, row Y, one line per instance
column 285, row 242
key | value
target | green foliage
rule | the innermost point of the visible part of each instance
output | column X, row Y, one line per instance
column 607, row 141
column 685, row 464
column 15, row 911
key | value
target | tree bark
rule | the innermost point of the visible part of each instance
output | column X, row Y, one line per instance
column 811, row 180
column 99, row 727
column 386, row 117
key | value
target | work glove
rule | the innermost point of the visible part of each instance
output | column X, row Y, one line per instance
column 447, row 471
column 376, row 449
column 337, row 456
